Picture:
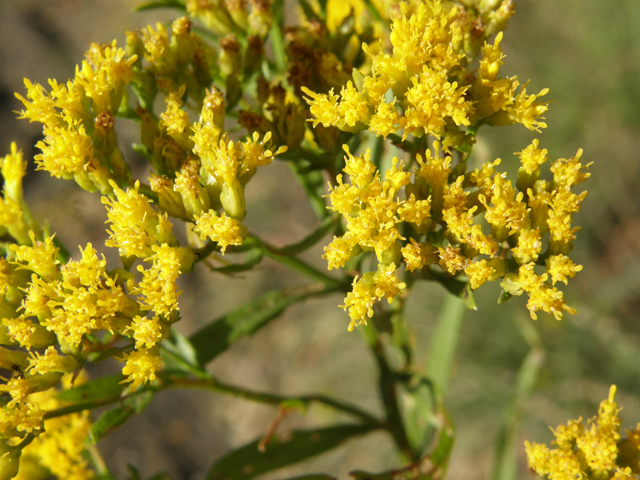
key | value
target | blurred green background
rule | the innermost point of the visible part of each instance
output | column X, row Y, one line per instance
column 588, row 54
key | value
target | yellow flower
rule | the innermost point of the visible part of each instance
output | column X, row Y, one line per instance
column 41, row 108
column 417, row 255
column 60, row 448
column 385, row 120
column 339, row 251
column 40, row 258
column 349, row 112
column 141, row 367
column 175, row 120
column 568, row 173
column 561, row 267
column 529, row 246
column 158, row 285
column 479, row 272
column 135, row 226
column 432, row 101
column 146, row 331
column 221, row 229
column 13, row 168
column 20, row 417
column 103, row 76
column 532, row 157
column 51, row 361
column 451, row 260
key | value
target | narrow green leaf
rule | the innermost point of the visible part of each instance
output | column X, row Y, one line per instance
column 444, row 342
column 94, row 389
column 104, row 355
column 505, row 466
column 419, row 413
column 253, row 258
column 326, row 225
column 223, row 332
column 504, row 296
column 108, row 422
column 117, row 416
column 276, row 38
column 178, row 354
column 247, row 462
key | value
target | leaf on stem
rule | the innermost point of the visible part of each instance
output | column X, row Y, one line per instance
column 94, row 389
column 444, row 342
column 246, row 462
column 117, row 416
column 242, row 322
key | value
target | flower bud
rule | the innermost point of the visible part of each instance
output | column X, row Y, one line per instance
column 260, row 18
column 13, row 169
column 194, row 197
column 183, row 44
column 134, row 46
column 238, row 12
column 230, row 55
column 169, row 200
column 253, row 55
column 232, row 199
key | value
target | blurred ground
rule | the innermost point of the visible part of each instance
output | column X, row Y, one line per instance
column 588, row 54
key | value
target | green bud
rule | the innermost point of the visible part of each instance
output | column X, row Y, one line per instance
column 195, row 198
column 238, row 12
column 230, row 55
column 170, row 201
column 392, row 254
column 511, row 284
column 234, row 89
column 253, row 55
column 183, row 44
column 527, row 180
column 232, row 199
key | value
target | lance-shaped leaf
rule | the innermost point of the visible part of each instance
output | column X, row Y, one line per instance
column 247, row 462
column 116, row 417
column 93, row 390
column 219, row 335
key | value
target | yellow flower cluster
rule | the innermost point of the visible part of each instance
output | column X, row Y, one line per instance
column 78, row 117
column 424, row 87
column 198, row 171
column 594, row 451
column 443, row 225
column 59, row 450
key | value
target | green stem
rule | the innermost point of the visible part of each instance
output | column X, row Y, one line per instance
column 270, row 399
column 326, row 225
column 81, row 406
column 388, row 393
column 296, row 264
column 170, row 382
